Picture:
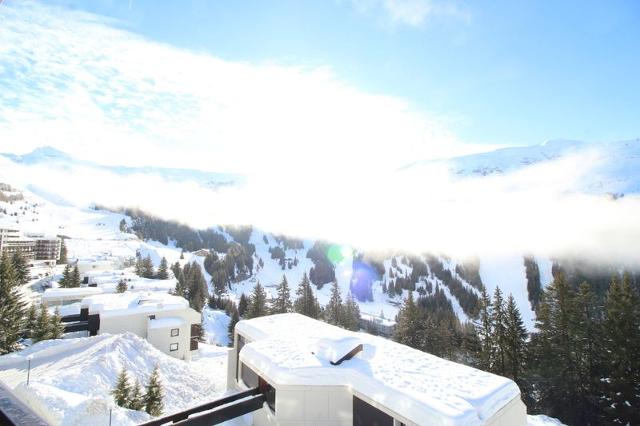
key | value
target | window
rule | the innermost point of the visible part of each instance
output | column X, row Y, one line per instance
column 367, row 415
column 173, row 347
column 269, row 392
column 175, row 332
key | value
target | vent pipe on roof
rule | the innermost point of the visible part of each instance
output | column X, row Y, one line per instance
column 353, row 352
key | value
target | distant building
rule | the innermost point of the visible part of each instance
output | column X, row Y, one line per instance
column 313, row 373
column 33, row 246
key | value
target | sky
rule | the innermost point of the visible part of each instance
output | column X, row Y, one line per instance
column 319, row 103
column 443, row 77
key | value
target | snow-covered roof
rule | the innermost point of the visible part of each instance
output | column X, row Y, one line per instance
column 128, row 303
column 418, row 386
column 53, row 294
column 166, row 322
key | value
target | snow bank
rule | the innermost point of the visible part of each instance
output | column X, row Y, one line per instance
column 215, row 325
column 71, row 380
column 542, row 420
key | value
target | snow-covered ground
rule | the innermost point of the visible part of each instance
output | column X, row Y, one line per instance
column 71, row 380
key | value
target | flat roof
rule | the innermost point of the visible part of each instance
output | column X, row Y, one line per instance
column 52, row 294
column 128, row 303
column 419, row 386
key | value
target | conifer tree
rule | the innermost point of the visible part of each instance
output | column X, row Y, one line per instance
column 408, row 328
column 123, row 225
column 282, row 303
column 163, row 269
column 351, row 314
column 553, row 355
column 122, row 389
column 12, row 307
column 154, row 394
column 75, row 277
column 66, row 280
column 498, row 320
column 139, row 267
column 176, row 269
column 56, row 327
column 306, row 302
column 515, row 342
column 20, row 267
column 196, row 287
column 334, row 309
column 622, row 348
column 122, row 286
column 243, row 304
column 31, row 320
column 485, row 332
column 235, row 317
column 63, row 253
column 258, row 302
column 147, row 267
column 136, row 398
column 43, row 325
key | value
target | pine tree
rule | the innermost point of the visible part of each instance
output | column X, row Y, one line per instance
column 12, row 307
column 351, row 314
column 243, row 304
column 485, row 332
column 20, row 267
column 334, row 309
column 122, row 286
column 306, row 302
column 586, row 338
column 56, row 327
column 622, row 347
column 139, row 267
column 154, row 394
column 163, row 270
column 258, row 302
column 43, row 325
column 75, row 277
column 235, row 317
column 122, row 389
column 282, row 303
column 498, row 320
column 32, row 318
column 136, row 398
column 553, row 351
column 408, row 328
column 123, row 225
column 147, row 267
column 65, row 281
column 515, row 342
column 196, row 287
column 63, row 253
column 182, row 255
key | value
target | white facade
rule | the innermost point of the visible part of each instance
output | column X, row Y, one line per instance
column 163, row 319
column 293, row 357
column 86, row 267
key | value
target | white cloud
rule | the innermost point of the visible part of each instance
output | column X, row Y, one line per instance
column 77, row 83
column 414, row 13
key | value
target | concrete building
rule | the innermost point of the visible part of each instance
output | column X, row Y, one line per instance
column 313, row 373
column 87, row 267
column 33, row 246
column 165, row 320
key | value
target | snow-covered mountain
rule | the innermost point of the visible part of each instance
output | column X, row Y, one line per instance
column 55, row 158
column 613, row 169
column 613, row 165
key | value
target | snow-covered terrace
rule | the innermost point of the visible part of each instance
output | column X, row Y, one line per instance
column 292, row 349
column 127, row 303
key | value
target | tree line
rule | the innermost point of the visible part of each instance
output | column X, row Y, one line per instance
column 580, row 364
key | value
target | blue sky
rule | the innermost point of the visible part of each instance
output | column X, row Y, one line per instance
column 498, row 72
column 365, row 84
